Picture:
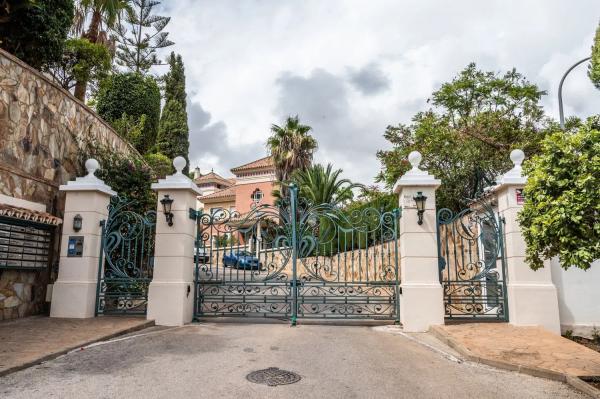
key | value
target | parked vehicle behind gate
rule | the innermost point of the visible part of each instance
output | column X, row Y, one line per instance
column 241, row 260
column 201, row 256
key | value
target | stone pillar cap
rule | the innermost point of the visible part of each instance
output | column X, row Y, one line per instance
column 515, row 175
column 416, row 176
column 88, row 182
column 177, row 181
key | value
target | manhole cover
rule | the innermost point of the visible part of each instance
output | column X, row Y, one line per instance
column 273, row 376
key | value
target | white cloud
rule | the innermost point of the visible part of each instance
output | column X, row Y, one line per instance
column 248, row 63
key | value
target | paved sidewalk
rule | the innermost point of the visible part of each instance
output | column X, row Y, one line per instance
column 530, row 350
column 25, row 342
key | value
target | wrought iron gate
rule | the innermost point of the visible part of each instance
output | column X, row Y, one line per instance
column 297, row 260
column 472, row 265
column 126, row 260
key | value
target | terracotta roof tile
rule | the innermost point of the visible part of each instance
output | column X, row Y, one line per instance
column 28, row 214
column 212, row 177
column 266, row 162
column 226, row 192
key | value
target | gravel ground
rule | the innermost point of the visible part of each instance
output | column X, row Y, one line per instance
column 211, row 360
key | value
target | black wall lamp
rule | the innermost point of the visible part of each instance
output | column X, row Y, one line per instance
column 77, row 222
column 166, row 203
column 420, row 200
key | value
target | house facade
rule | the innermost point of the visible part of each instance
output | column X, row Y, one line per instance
column 252, row 185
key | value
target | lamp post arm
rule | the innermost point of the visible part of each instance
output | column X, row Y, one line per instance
column 560, row 101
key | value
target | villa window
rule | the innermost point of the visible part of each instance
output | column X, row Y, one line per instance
column 257, row 196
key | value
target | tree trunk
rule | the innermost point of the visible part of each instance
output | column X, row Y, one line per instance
column 92, row 35
column 94, row 29
column 80, row 89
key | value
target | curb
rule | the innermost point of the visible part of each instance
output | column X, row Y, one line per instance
column 54, row 355
column 573, row 381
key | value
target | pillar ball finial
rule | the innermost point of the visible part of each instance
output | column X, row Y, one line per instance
column 179, row 163
column 415, row 158
column 91, row 165
column 517, row 157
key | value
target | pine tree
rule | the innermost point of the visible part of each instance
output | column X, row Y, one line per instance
column 136, row 48
column 173, row 135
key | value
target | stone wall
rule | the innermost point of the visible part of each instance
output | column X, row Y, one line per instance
column 21, row 294
column 41, row 129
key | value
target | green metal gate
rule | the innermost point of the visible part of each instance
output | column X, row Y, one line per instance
column 472, row 265
column 297, row 260
column 126, row 260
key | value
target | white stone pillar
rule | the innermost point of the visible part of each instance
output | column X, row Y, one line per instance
column 532, row 297
column 74, row 292
column 171, row 292
column 421, row 301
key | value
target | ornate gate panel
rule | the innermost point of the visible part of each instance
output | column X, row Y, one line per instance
column 243, row 264
column 349, row 263
column 472, row 265
column 297, row 260
column 126, row 260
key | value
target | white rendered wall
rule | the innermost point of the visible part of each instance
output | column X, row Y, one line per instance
column 578, row 297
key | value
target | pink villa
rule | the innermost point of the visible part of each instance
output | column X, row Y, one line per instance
column 252, row 185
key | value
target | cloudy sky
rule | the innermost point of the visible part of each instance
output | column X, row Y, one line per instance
column 350, row 68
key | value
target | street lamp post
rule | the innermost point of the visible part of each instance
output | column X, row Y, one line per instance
column 560, row 102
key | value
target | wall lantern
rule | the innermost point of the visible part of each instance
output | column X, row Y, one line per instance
column 166, row 203
column 420, row 200
column 77, row 222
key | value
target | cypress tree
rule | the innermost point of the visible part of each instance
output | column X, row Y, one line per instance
column 173, row 135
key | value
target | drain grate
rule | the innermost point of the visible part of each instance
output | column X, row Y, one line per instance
column 273, row 376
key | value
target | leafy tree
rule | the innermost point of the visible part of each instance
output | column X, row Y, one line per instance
column 81, row 61
column 560, row 216
column 291, row 147
column 136, row 48
column 36, row 31
column 8, row 8
column 322, row 185
column 465, row 139
column 103, row 16
column 135, row 95
column 173, row 135
column 594, row 67
column 160, row 164
column 373, row 197
column 175, row 80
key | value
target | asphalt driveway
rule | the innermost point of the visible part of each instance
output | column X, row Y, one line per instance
column 211, row 360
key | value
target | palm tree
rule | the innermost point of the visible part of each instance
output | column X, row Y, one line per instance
column 291, row 147
column 322, row 185
column 103, row 16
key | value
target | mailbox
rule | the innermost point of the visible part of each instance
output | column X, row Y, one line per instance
column 75, row 247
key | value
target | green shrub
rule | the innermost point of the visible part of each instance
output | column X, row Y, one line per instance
column 127, row 175
column 131, row 128
column 560, row 214
column 135, row 95
column 160, row 164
